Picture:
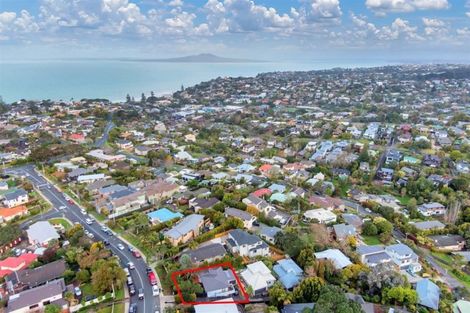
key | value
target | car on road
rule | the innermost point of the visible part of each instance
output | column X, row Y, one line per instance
column 89, row 221
column 130, row 248
column 148, row 270
column 120, row 246
column 106, row 243
column 90, row 235
column 77, row 291
column 129, row 281
column 83, row 211
column 131, row 266
column 155, row 290
column 131, row 290
column 152, row 278
column 62, row 207
column 141, row 294
column 126, row 270
column 136, row 254
column 133, row 308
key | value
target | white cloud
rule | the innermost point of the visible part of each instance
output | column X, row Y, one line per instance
column 435, row 28
column 11, row 23
column 464, row 32
column 325, row 9
column 245, row 16
column 382, row 7
column 175, row 3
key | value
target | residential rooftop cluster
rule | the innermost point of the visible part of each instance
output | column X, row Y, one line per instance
column 321, row 189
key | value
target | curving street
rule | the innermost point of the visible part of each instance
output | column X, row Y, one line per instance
column 73, row 212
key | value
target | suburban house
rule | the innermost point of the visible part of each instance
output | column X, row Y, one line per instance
column 289, row 273
column 448, row 242
column 343, row 231
column 258, row 277
column 41, row 233
column 8, row 214
column 246, row 245
column 432, row 208
column 427, row 225
column 16, row 198
column 244, row 216
column 257, row 203
column 208, row 253
column 37, row 298
column 323, row 216
column 428, row 293
column 198, row 204
column 268, row 233
column 186, row 229
column 214, row 307
column 373, row 255
column 338, row 258
column 404, row 257
column 159, row 190
column 12, row 264
column 218, row 283
column 30, row 278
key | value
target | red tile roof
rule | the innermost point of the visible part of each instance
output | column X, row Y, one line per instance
column 12, row 264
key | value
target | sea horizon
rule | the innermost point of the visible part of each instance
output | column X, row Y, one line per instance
column 67, row 79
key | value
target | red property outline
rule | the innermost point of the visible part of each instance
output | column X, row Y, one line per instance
column 174, row 275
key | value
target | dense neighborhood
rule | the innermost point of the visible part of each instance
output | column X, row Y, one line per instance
column 344, row 190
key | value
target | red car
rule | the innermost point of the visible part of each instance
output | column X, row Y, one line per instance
column 136, row 254
column 152, row 279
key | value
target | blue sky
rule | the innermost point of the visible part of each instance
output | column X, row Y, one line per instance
column 394, row 30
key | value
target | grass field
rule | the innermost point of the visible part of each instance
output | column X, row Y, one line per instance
column 371, row 240
column 62, row 222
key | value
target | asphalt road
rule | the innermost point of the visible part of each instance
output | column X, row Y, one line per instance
column 100, row 142
column 72, row 212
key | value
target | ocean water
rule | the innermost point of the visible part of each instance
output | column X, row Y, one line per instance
column 65, row 80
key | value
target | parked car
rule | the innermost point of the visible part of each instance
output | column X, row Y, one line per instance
column 131, row 290
column 141, row 293
column 83, row 211
column 89, row 221
column 126, row 270
column 131, row 266
column 129, row 281
column 155, row 290
column 77, row 291
column 133, row 308
column 152, row 278
column 136, row 254
column 120, row 246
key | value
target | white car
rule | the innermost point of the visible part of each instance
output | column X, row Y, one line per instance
column 63, row 207
column 83, row 211
column 131, row 265
column 155, row 290
column 90, row 235
column 120, row 246
column 89, row 221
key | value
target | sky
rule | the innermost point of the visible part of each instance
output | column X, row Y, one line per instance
column 308, row 30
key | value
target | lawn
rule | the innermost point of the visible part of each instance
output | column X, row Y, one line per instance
column 371, row 240
column 404, row 200
column 62, row 222
column 136, row 243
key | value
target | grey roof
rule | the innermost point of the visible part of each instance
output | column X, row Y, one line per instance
column 33, row 296
column 447, row 240
column 216, row 279
column 364, row 249
column 243, row 215
column 241, row 237
column 428, row 225
column 207, row 252
column 37, row 276
column 206, row 203
column 100, row 184
column 122, row 193
column 186, row 225
column 268, row 231
column 41, row 232
column 297, row 307
column 377, row 258
column 15, row 194
column 343, row 230
column 352, row 219
column 112, row 189
column 400, row 249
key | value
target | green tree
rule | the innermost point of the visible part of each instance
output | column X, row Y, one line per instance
column 369, row 229
column 278, row 296
column 52, row 308
column 107, row 274
column 308, row 290
column 401, row 296
column 333, row 300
